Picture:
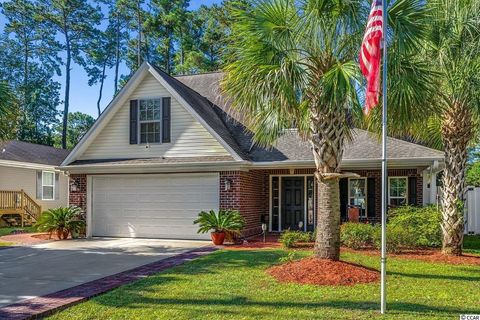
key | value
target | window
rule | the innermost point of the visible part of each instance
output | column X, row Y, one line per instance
column 397, row 191
column 149, row 119
column 48, row 185
column 357, row 194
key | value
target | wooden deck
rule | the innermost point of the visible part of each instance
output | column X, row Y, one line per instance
column 20, row 204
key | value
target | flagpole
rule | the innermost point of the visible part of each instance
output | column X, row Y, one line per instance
column 383, row 259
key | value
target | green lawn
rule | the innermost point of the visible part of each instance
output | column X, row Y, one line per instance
column 471, row 244
column 5, row 244
column 4, row 231
column 234, row 285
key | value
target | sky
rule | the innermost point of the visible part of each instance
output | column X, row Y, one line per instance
column 83, row 97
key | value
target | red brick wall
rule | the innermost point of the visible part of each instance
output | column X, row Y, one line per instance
column 248, row 194
column 79, row 197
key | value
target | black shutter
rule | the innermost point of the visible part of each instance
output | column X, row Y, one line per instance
column 133, row 121
column 412, row 191
column 166, row 119
column 343, row 198
column 371, row 193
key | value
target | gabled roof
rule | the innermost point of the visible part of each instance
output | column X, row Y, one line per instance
column 13, row 150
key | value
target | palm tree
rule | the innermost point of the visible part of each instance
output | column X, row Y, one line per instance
column 294, row 63
column 454, row 50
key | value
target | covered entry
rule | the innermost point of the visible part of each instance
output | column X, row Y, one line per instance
column 292, row 205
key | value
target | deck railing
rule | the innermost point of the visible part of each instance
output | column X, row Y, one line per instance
column 19, row 202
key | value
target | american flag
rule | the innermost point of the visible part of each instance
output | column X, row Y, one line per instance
column 370, row 54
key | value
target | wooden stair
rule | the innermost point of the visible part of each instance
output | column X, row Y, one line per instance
column 17, row 208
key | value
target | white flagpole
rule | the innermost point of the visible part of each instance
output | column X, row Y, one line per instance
column 383, row 259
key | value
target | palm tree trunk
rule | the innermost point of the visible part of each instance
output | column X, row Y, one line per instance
column 327, row 243
column 327, row 142
column 457, row 128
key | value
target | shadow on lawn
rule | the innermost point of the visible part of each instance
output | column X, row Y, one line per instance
column 436, row 276
column 139, row 301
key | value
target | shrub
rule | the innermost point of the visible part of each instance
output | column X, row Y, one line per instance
column 421, row 226
column 396, row 238
column 63, row 220
column 290, row 238
column 357, row 235
column 221, row 221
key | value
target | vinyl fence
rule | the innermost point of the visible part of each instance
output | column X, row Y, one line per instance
column 472, row 225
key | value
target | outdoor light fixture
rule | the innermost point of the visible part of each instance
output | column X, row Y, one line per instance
column 264, row 230
column 73, row 186
column 227, row 184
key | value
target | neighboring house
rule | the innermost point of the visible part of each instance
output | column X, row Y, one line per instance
column 166, row 148
column 30, row 181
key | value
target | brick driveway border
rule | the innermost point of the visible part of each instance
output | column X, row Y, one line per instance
column 48, row 304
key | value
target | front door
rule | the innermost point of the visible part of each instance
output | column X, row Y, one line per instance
column 293, row 205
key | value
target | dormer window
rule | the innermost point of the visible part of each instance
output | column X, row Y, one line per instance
column 149, row 118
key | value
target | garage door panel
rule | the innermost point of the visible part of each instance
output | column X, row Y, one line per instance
column 159, row 206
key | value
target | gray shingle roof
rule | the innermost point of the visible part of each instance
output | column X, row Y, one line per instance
column 290, row 146
column 14, row 150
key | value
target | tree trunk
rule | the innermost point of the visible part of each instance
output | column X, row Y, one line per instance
column 327, row 243
column 329, row 132
column 117, row 55
column 67, row 91
column 102, row 80
column 457, row 128
column 139, row 35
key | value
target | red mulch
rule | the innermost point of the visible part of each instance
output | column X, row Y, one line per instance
column 428, row 255
column 323, row 272
column 25, row 238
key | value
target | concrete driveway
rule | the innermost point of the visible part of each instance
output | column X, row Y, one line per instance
column 28, row 272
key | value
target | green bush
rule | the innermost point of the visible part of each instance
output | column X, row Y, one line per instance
column 357, row 235
column 221, row 221
column 290, row 238
column 396, row 238
column 420, row 226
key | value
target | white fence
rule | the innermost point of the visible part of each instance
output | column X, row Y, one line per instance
column 472, row 225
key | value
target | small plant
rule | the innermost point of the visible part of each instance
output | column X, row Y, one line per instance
column 291, row 256
column 357, row 235
column 290, row 238
column 61, row 220
column 219, row 223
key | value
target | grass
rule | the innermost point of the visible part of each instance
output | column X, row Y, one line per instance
column 5, row 244
column 4, row 231
column 471, row 244
column 234, row 285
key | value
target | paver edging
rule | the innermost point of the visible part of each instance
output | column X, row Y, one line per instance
column 53, row 302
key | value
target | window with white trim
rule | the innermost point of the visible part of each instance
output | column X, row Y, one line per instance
column 48, row 185
column 149, row 119
column 357, row 195
column 397, row 191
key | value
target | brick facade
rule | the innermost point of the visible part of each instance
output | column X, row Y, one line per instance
column 78, row 198
column 249, row 191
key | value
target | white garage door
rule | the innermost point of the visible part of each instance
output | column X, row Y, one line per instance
column 152, row 206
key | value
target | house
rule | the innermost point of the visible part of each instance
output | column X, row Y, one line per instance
column 30, row 181
column 166, row 148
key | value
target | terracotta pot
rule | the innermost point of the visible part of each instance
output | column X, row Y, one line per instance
column 217, row 238
column 62, row 234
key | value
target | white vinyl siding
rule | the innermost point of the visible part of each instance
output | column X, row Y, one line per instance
column 189, row 137
column 152, row 206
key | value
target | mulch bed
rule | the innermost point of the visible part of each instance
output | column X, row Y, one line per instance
column 26, row 238
column 323, row 272
column 256, row 242
column 427, row 255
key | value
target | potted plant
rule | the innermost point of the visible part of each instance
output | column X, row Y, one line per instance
column 62, row 221
column 219, row 223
